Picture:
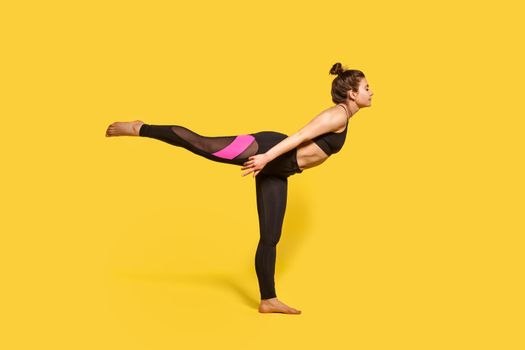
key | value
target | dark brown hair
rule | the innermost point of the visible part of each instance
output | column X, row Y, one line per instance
column 346, row 80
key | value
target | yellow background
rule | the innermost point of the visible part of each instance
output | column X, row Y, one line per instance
column 410, row 238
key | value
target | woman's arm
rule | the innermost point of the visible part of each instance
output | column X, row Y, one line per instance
column 323, row 123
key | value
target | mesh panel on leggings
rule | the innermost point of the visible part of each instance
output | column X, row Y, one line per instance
column 206, row 144
column 212, row 144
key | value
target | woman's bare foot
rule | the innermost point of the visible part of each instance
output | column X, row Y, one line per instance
column 124, row 128
column 274, row 305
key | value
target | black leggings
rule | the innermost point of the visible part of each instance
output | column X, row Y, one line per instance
column 271, row 182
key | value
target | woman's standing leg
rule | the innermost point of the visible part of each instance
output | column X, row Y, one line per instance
column 272, row 193
column 271, row 206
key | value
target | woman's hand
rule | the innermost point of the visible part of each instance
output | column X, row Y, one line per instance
column 255, row 164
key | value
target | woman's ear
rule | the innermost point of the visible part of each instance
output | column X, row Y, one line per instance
column 351, row 95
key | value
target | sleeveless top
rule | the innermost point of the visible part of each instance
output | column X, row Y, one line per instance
column 332, row 142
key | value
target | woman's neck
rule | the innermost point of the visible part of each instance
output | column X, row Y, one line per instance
column 350, row 107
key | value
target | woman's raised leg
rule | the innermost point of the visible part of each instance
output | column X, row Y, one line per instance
column 225, row 149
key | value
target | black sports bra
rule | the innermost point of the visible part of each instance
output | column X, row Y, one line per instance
column 332, row 142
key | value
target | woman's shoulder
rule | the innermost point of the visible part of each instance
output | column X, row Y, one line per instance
column 334, row 110
column 336, row 113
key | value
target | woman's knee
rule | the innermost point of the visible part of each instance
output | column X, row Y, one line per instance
column 269, row 242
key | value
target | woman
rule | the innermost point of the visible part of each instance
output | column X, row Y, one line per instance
column 271, row 157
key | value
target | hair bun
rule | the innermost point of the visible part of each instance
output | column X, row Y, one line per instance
column 337, row 69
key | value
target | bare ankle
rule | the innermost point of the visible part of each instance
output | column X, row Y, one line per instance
column 136, row 127
column 269, row 300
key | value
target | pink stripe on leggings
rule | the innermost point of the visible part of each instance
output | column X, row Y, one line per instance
column 235, row 148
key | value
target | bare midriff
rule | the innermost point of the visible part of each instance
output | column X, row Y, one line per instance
column 309, row 155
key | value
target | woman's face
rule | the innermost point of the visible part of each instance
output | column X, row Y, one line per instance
column 364, row 94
